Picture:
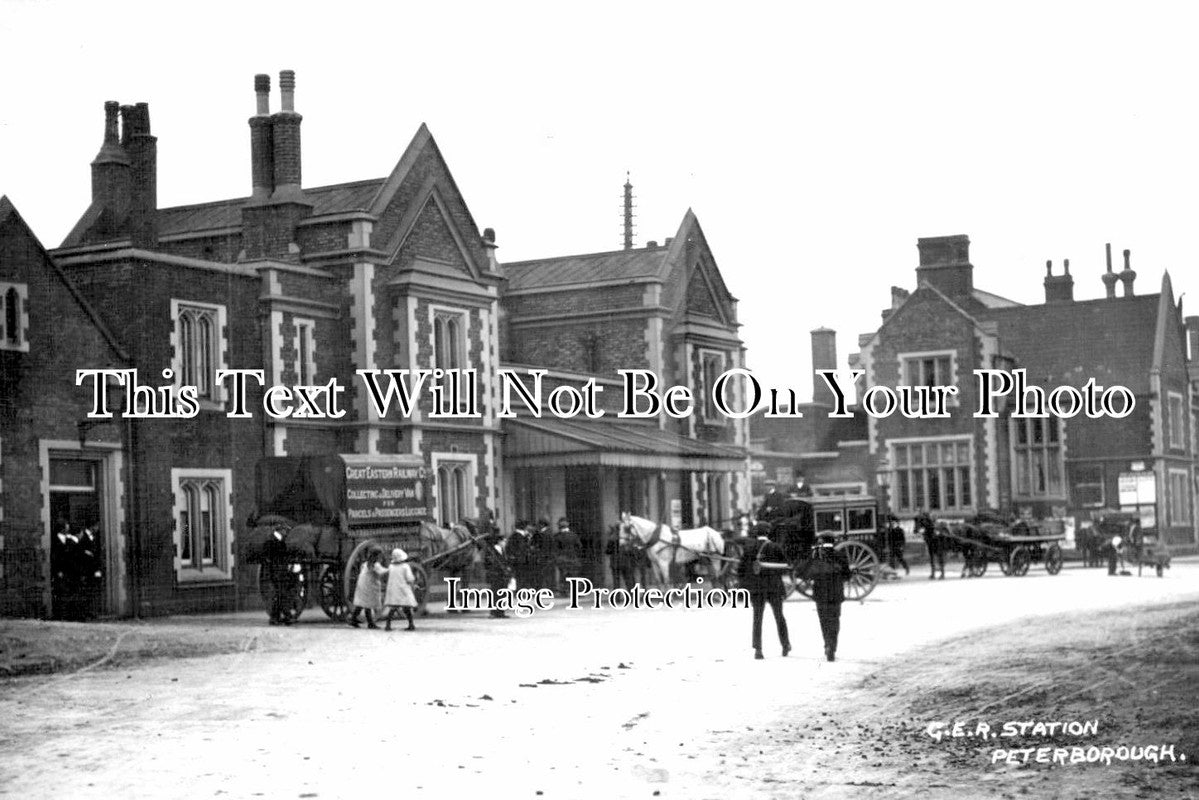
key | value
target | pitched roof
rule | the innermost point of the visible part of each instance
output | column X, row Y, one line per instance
column 993, row 300
column 1109, row 339
column 7, row 209
column 644, row 262
column 335, row 199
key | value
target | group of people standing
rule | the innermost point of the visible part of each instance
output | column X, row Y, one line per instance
column 77, row 570
column 540, row 558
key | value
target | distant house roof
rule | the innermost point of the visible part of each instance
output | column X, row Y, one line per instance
column 993, row 300
column 336, row 199
column 1110, row 339
column 645, row 262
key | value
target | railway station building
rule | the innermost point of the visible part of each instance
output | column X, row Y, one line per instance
column 306, row 286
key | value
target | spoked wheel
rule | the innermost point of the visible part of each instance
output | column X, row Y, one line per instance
column 1018, row 561
column 793, row 583
column 1053, row 559
column 299, row 590
column 863, row 568
column 1005, row 564
column 420, row 586
column 333, row 600
column 978, row 567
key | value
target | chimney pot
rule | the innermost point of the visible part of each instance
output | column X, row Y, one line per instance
column 287, row 89
column 651, row 244
column 489, row 235
column 1048, row 267
column 1127, row 254
column 262, row 89
column 1066, row 264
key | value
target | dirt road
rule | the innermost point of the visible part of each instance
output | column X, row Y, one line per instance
column 566, row 704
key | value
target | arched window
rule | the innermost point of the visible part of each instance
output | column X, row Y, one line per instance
column 12, row 316
column 198, row 347
column 453, row 492
column 202, row 510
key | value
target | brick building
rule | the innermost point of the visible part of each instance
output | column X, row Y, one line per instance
column 663, row 308
column 53, row 462
column 309, row 285
column 946, row 328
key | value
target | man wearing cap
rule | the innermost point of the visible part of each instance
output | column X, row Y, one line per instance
column 519, row 552
column 761, row 574
column 496, row 567
column 569, row 555
column 828, row 571
column 277, row 569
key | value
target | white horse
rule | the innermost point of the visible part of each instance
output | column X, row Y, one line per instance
column 666, row 546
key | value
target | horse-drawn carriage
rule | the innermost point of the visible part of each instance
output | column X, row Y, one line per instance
column 1013, row 546
column 854, row 521
column 335, row 511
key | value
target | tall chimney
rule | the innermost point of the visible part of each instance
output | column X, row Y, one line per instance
column 1110, row 278
column 1127, row 275
column 110, row 168
column 262, row 162
column 142, row 150
column 824, row 356
column 1058, row 288
column 285, row 132
column 945, row 264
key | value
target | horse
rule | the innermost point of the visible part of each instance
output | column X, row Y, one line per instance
column 436, row 542
column 666, row 546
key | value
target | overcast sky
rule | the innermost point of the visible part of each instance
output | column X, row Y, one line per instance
column 815, row 142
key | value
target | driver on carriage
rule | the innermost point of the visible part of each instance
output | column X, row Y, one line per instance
column 791, row 521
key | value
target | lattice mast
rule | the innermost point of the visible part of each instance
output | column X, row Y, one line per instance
column 628, row 213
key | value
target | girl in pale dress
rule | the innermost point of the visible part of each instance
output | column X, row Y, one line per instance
column 368, row 592
column 400, row 594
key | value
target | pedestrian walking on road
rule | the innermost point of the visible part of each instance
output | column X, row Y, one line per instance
column 368, row 591
column 761, row 574
column 276, row 567
column 828, row 571
column 400, row 596
column 922, row 523
column 496, row 568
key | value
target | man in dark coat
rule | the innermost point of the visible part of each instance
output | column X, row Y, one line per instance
column 828, row 571
column 496, row 567
column 794, row 526
column 544, row 549
column 761, row 574
column 91, row 570
column 519, row 552
column 276, row 567
column 569, row 553
column 922, row 523
column 65, row 571
column 895, row 545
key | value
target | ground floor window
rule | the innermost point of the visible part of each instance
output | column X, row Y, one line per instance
column 203, row 524
column 1087, row 485
column 455, row 491
column 933, row 476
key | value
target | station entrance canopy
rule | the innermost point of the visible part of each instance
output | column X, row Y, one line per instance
column 570, row 443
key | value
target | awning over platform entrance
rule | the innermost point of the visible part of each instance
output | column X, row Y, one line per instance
column 571, row 443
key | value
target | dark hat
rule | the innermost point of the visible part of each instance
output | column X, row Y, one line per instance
column 563, row 523
column 543, row 523
column 827, row 538
column 762, row 529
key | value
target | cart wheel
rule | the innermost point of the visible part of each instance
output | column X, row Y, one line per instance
column 420, row 586
column 1018, row 561
column 978, row 568
column 333, row 600
column 792, row 583
column 299, row 598
column 863, row 567
column 1159, row 570
column 1005, row 564
column 1053, row 559
column 353, row 564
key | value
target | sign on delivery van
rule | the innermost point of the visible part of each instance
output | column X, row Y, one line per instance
column 386, row 489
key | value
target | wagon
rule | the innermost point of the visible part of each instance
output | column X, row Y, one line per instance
column 1013, row 547
column 334, row 511
column 855, row 522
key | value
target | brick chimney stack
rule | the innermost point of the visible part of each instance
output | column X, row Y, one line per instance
column 1110, row 278
column 285, row 132
column 1058, row 288
column 824, row 356
column 262, row 162
column 110, row 168
column 142, row 150
column 945, row 265
column 490, row 246
column 1127, row 276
